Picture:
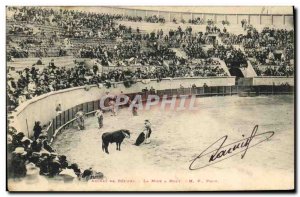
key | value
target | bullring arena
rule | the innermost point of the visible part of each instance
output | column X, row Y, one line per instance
column 238, row 67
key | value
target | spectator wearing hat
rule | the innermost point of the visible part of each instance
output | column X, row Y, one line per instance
column 58, row 109
column 32, row 175
column 87, row 174
column 95, row 68
column 54, row 165
column 22, row 98
column 11, row 82
column 44, row 163
column 31, row 86
column 39, row 62
column 68, row 175
column 47, row 146
column 37, row 130
column 27, row 145
column 80, row 119
column 51, row 64
column 75, row 168
column 63, row 161
column 17, row 139
column 37, row 145
column 10, row 146
column 17, row 167
column 34, row 157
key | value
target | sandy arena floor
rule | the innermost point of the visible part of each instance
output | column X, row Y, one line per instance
column 179, row 136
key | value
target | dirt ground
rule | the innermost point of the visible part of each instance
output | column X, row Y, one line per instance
column 179, row 136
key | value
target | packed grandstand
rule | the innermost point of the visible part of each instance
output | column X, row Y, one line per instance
column 123, row 51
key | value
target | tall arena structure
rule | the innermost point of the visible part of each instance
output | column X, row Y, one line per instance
column 237, row 61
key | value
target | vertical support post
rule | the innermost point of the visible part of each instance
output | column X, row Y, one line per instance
column 283, row 16
column 272, row 20
column 62, row 118
column 27, row 128
column 56, row 122
column 237, row 19
column 260, row 19
column 60, row 122
column 52, row 129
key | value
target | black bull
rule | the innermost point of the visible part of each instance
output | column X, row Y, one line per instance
column 116, row 136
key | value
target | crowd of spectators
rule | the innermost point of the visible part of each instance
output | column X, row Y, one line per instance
column 231, row 39
column 273, row 47
column 154, row 19
column 128, row 53
column 67, row 24
column 17, row 52
column 285, row 71
column 32, row 158
column 33, row 82
column 231, row 56
column 79, row 25
column 20, row 29
column 195, row 50
column 132, row 47
column 197, row 21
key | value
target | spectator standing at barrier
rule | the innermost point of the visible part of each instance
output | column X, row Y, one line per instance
column 80, row 119
column 95, row 68
column 51, row 64
column 37, row 145
column 37, row 130
column 113, row 106
column 99, row 115
column 58, row 109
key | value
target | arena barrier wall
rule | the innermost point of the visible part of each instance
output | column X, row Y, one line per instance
column 66, row 119
column 46, row 104
column 88, row 100
column 273, row 81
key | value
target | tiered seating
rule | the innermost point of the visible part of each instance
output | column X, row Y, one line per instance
column 186, row 44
